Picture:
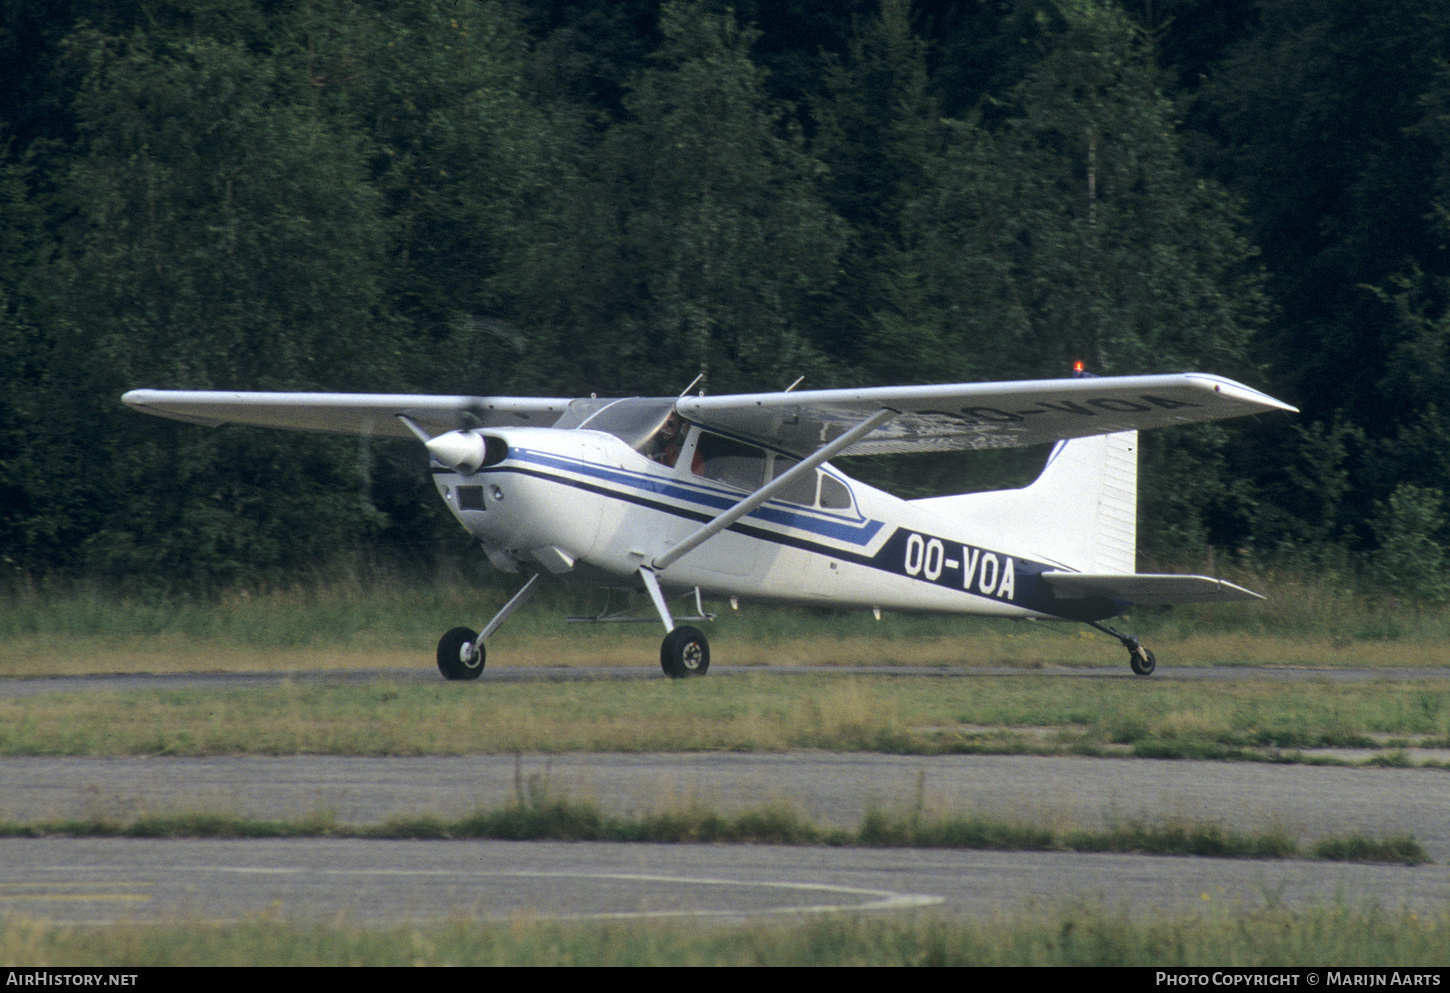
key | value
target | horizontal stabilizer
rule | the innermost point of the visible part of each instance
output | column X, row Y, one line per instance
column 1146, row 589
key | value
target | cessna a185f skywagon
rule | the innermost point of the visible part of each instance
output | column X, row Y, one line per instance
column 734, row 496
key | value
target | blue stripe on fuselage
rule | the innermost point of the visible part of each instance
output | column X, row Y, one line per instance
column 639, row 485
column 960, row 567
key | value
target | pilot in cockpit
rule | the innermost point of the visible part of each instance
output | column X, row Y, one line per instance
column 665, row 445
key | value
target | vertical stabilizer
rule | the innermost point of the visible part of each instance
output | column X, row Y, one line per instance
column 1082, row 511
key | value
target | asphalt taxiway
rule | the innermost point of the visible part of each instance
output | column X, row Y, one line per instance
column 99, row 880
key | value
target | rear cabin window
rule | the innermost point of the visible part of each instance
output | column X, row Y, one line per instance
column 834, row 495
column 802, row 491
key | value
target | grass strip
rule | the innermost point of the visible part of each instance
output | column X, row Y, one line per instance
column 1319, row 615
column 758, row 712
column 1077, row 935
column 549, row 819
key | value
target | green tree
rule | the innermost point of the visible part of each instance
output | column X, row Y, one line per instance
column 1328, row 121
column 1304, row 503
column 878, row 133
column 1075, row 230
column 30, row 525
column 461, row 158
column 1078, row 230
column 1319, row 117
column 1410, row 530
column 704, row 223
column 222, row 236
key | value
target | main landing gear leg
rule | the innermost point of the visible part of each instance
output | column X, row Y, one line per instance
column 460, row 651
column 1140, row 658
column 685, row 650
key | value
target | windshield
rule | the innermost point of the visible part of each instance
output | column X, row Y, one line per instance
column 634, row 421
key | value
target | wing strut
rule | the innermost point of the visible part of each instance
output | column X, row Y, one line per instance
column 770, row 489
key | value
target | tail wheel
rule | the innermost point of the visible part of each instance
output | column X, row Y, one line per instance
column 458, row 656
column 685, row 652
column 1143, row 665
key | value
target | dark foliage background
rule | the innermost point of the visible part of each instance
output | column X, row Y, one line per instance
column 611, row 195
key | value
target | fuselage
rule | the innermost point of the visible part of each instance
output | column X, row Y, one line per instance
column 588, row 506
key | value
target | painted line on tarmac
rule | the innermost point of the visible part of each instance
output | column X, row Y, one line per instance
column 883, row 899
column 869, row 899
column 876, row 899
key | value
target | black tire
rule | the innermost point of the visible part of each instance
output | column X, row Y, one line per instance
column 451, row 660
column 1143, row 668
column 685, row 652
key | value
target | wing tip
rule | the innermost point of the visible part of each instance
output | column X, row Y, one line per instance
column 1238, row 391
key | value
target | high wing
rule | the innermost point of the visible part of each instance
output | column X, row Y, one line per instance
column 378, row 414
column 953, row 417
column 977, row 415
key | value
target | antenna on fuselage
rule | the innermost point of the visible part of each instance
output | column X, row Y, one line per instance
column 798, row 380
column 687, row 389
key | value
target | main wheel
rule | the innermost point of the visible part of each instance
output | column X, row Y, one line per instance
column 1145, row 665
column 685, row 652
column 458, row 656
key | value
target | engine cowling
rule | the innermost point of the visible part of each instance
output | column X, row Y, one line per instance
column 467, row 451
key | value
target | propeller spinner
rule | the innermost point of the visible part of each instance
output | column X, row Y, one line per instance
column 467, row 451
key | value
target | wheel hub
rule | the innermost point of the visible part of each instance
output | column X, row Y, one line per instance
column 691, row 656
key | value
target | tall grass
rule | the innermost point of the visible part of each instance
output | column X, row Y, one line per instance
column 1084, row 935
column 355, row 619
column 554, row 817
column 1327, row 598
column 754, row 712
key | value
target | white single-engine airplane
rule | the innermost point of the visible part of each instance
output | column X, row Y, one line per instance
column 733, row 495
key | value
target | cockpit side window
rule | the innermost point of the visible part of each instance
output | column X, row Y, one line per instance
column 727, row 461
column 738, row 464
